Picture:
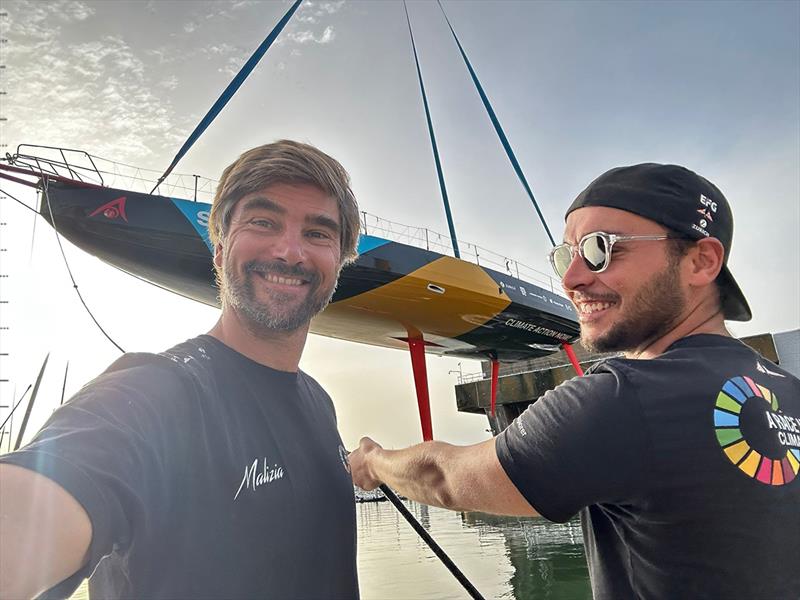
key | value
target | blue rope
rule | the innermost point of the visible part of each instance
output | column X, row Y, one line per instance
column 498, row 128
column 233, row 86
column 439, row 172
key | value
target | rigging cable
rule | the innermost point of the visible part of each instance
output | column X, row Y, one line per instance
column 233, row 86
column 21, row 398
column 20, row 202
column 498, row 128
column 66, row 263
column 439, row 171
column 140, row 278
column 514, row 162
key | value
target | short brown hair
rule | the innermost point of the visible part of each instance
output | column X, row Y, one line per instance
column 286, row 161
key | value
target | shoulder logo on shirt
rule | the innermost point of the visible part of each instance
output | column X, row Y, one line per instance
column 184, row 357
column 762, row 369
column 755, row 434
column 343, row 457
column 259, row 473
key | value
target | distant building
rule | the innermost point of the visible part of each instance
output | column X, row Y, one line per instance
column 787, row 345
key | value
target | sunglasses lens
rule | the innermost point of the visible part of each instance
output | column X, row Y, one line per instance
column 595, row 252
column 561, row 257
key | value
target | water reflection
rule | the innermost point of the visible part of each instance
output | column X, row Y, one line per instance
column 548, row 558
column 511, row 558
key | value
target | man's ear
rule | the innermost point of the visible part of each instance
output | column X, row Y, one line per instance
column 707, row 257
column 218, row 255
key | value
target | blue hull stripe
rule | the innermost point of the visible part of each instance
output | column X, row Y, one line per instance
column 368, row 242
column 197, row 214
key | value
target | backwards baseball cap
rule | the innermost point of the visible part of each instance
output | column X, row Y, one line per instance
column 680, row 200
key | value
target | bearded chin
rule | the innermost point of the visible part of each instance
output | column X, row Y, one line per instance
column 264, row 318
column 653, row 312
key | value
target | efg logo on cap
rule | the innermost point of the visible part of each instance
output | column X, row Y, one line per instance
column 680, row 200
column 707, row 209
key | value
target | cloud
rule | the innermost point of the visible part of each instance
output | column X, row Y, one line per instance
column 233, row 65
column 73, row 11
column 326, row 7
column 327, row 35
column 163, row 55
column 39, row 20
column 222, row 48
column 306, row 37
column 169, row 83
column 243, row 4
column 97, row 96
column 233, row 57
column 107, row 96
column 226, row 11
column 311, row 13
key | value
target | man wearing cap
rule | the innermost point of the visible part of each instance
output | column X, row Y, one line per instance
column 681, row 457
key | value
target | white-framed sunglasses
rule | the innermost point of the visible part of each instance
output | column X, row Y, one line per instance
column 595, row 249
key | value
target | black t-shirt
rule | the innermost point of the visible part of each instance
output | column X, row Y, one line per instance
column 205, row 475
column 684, row 469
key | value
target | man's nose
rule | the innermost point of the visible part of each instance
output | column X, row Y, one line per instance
column 289, row 247
column 578, row 274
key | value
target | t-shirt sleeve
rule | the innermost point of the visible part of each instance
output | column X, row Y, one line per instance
column 321, row 399
column 105, row 447
column 582, row 443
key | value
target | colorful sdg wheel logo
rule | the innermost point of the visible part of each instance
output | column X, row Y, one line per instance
column 753, row 435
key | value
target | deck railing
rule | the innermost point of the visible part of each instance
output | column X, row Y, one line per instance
column 422, row 237
column 85, row 167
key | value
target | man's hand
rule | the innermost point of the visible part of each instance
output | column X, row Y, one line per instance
column 441, row 474
column 359, row 464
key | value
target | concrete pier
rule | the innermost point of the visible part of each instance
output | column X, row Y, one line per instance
column 522, row 383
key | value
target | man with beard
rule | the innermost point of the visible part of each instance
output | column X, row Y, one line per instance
column 215, row 469
column 681, row 458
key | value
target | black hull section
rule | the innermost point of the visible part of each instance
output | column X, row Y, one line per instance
column 392, row 292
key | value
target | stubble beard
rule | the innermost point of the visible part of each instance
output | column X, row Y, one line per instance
column 654, row 311
column 276, row 314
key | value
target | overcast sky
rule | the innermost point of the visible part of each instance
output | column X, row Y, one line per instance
column 579, row 87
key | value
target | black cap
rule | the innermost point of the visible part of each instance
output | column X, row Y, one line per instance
column 680, row 200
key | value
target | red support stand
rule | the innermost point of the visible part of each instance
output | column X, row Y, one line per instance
column 495, row 372
column 573, row 359
column 417, row 348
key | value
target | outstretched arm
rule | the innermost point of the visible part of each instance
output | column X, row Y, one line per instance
column 44, row 533
column 440, row 474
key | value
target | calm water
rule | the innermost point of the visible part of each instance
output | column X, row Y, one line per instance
column 505, row 558
column 523, row 559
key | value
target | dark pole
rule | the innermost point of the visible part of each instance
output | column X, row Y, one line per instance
column 437, row 550
column 2, row 427
column 30, row 404
column 64, row 387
